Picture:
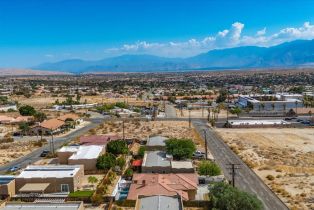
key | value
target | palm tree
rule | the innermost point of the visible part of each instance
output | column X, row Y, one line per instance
column 92, row 180
column 284, row 107
column 273, row 106
column 296, row 107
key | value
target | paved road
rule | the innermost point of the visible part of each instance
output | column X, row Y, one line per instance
column 170, row 111
column 245, row 179
column 58, row 142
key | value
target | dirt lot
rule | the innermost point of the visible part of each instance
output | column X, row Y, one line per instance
column 42, row 101
column 14, row 150
column 202, row 113
column 283, row 158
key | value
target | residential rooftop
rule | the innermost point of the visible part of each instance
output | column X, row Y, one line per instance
column 49, row 171
column 155, row 158
column 43, row 206
column 159, row 202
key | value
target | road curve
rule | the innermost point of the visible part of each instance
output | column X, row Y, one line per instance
column 246, row 179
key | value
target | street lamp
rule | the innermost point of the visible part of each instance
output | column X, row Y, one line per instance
column 205, row 137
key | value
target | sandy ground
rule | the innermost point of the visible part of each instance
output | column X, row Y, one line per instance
column 42, row 101
column 14, row 150
column 283, row 158
column 199, row 113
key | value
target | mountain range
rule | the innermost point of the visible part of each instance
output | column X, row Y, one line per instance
column 289, row 54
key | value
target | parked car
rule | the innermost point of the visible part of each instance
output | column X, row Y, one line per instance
column 44, row 153
column 14, row 168
column 199, row 154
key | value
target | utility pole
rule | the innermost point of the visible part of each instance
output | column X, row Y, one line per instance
column 233, row 172
column 189, row 118
column 123, row 130
column 206, row 152
column 52, row 144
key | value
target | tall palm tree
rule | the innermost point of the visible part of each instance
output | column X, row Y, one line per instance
column 296, row 107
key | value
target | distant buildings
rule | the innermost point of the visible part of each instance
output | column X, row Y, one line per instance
column 45, row 206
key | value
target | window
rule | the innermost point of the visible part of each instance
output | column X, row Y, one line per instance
column 65, row 188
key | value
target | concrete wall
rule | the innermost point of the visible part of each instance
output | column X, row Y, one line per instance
column 89, row 164
column 7, row 190
column 63, row 157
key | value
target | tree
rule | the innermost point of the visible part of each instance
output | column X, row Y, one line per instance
column 27, row 110
column 222, row 96
column 117, row 147
column 40, row 116
column 106, row 161
column 141, row 152
column 226, row 197
column 128, row 172
column 208, row 168
column 180, row 148
column 120, row 162
column 92, row 180
column 24, row 127
column 236, row 111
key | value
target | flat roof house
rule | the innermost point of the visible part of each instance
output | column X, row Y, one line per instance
column 159, row 202
column 7, row 186
column 45, row 206
column 45, row 179
column 159, row 162
column 81, row 155
column 156, row 143
column 156, row 162
column 184, row 185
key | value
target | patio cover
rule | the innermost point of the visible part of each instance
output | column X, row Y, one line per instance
column 34, row 187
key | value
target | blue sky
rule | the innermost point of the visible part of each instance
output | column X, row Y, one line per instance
column 36, row 31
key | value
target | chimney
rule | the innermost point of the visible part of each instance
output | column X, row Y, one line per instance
column 144, row 182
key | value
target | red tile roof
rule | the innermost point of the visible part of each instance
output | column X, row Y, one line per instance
column 98, row 140
column 162, row 184
column 137, row 162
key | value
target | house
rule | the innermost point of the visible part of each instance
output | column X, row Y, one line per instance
column 71, row 117
column 5, row 119
column 159, row 202
column 45, row 206
column 81, row 155
column 98, row 139
column 48, row 127
column 156, row 143
column 5, row 108
column 156, row 162
column 184, row 185
column 11, row 120
column 45, row 179
column 160, row 162
column 7, row 186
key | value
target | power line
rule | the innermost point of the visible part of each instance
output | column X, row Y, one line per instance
column 233, row 171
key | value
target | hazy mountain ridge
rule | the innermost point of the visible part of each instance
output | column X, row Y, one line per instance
column 296, row 53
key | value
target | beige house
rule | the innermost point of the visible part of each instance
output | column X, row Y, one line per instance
column 45, row 179
column 48, row 127
column 7, row 186
column 81, row 155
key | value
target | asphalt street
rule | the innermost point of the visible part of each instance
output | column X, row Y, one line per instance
column 34, row 156
column 245, row 178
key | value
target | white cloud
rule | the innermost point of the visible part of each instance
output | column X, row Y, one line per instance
column 232, row 37
column 49, row 56
column 261, row 32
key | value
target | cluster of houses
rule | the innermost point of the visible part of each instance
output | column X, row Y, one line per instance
column 159, row 181
column 56, row 180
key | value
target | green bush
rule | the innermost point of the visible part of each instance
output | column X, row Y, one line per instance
column 180, row 148
column 227, row 197
column 106, row 161
column 208, row 168
column 83, row 193
column 141, row 151
column 129, row 172
column 27, row 110
column 120, row 162
column 117, row 147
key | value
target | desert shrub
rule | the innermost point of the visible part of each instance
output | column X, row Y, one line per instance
column 97, row 199
column 270, row 177
column 27, row 110
column 208, row 168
